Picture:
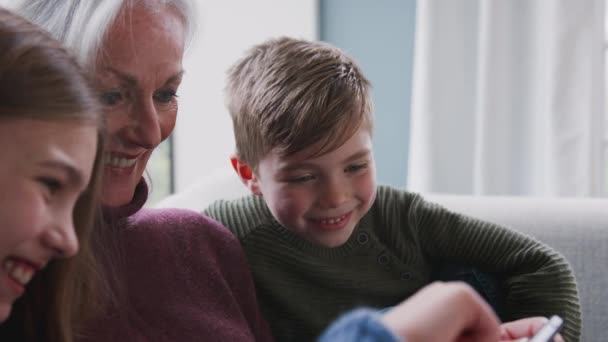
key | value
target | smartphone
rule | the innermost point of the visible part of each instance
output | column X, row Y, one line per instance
column 549, row 330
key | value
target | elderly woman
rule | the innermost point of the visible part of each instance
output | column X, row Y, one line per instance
column 172, row 275
column 49, row 184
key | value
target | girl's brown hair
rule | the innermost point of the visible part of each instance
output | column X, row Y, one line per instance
column 40, row 80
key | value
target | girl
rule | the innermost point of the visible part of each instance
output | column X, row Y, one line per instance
column 50, row 142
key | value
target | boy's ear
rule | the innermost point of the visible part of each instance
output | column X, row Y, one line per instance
column 246, row 175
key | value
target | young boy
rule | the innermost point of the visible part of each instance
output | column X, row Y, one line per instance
column 320, row 235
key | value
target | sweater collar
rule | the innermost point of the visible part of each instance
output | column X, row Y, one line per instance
column 139, row 199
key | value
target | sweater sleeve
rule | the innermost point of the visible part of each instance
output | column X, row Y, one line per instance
column 361, row 325
column 537, row 280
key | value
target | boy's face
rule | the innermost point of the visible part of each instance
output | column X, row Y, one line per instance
column 322, row 198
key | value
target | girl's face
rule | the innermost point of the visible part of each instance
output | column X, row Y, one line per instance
column 138, row 75
column 44, row 167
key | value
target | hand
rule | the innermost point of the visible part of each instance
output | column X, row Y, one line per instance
column 445, row 312
column 523, row 328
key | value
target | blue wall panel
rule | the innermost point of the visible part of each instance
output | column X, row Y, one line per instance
column 379, row 34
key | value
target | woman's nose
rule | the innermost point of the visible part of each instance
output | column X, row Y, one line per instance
column 146, row 125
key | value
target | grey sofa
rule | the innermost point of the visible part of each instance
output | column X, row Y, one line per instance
column 578, row 228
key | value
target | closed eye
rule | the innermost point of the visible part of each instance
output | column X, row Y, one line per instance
column 301, row 179
column 356, row 167
column 53, row 185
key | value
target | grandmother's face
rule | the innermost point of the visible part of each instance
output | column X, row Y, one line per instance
column 138, row 74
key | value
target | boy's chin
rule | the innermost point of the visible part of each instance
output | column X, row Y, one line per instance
column 332, row 242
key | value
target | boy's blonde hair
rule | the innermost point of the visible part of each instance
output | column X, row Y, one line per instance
column 288, row 94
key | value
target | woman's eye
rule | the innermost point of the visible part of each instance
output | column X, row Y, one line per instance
column 301, row 179
column 355, row 168
column 111, row 98
column 165, row 96
column 53, row 185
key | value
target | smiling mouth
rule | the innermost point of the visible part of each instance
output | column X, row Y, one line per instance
column 332, row 223
column 119, row 162
column 332, row 220
column 19, row 271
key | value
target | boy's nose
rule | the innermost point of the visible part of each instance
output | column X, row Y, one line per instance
column 334, row 196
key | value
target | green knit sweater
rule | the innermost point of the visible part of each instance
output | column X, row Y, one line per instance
column 391, row 254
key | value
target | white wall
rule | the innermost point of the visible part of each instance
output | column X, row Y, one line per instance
column 203, row 139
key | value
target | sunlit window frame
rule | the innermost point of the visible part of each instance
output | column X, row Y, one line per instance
column 161, row 179
column 603, row 165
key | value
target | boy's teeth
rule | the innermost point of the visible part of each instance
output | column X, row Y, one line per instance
column 18, row 271
column 333, row 220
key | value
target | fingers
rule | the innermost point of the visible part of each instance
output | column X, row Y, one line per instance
column 444, row 312
column 526, row 327
column 557, row 338
column 523, row 329
column 455, row 312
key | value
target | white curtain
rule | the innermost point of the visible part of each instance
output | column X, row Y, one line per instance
column 507, row 97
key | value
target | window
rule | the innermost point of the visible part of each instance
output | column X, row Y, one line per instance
column 604, row 144
column 604, row 168
column 160, row 172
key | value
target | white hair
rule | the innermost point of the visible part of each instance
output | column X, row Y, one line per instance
column 81, row 25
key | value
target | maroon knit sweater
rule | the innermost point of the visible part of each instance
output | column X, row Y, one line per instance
column 184, row 278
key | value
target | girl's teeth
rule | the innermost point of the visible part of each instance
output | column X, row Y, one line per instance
column 8, row 265
column 18, row 271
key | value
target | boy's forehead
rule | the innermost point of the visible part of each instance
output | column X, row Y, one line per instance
column 331, row 140
column 307, row 154
column 278, row 161
column 358, row 145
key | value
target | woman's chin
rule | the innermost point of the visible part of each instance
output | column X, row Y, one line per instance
column 117, row 197
column 118, row 189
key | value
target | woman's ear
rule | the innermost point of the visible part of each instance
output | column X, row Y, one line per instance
column 246, row 175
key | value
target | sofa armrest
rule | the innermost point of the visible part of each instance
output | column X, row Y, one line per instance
column 577, row 228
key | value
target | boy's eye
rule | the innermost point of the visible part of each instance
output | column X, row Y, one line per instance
column 301, row 179
column 111, row 98
column 51, row 184
column 355, row 168
column 165, row 96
